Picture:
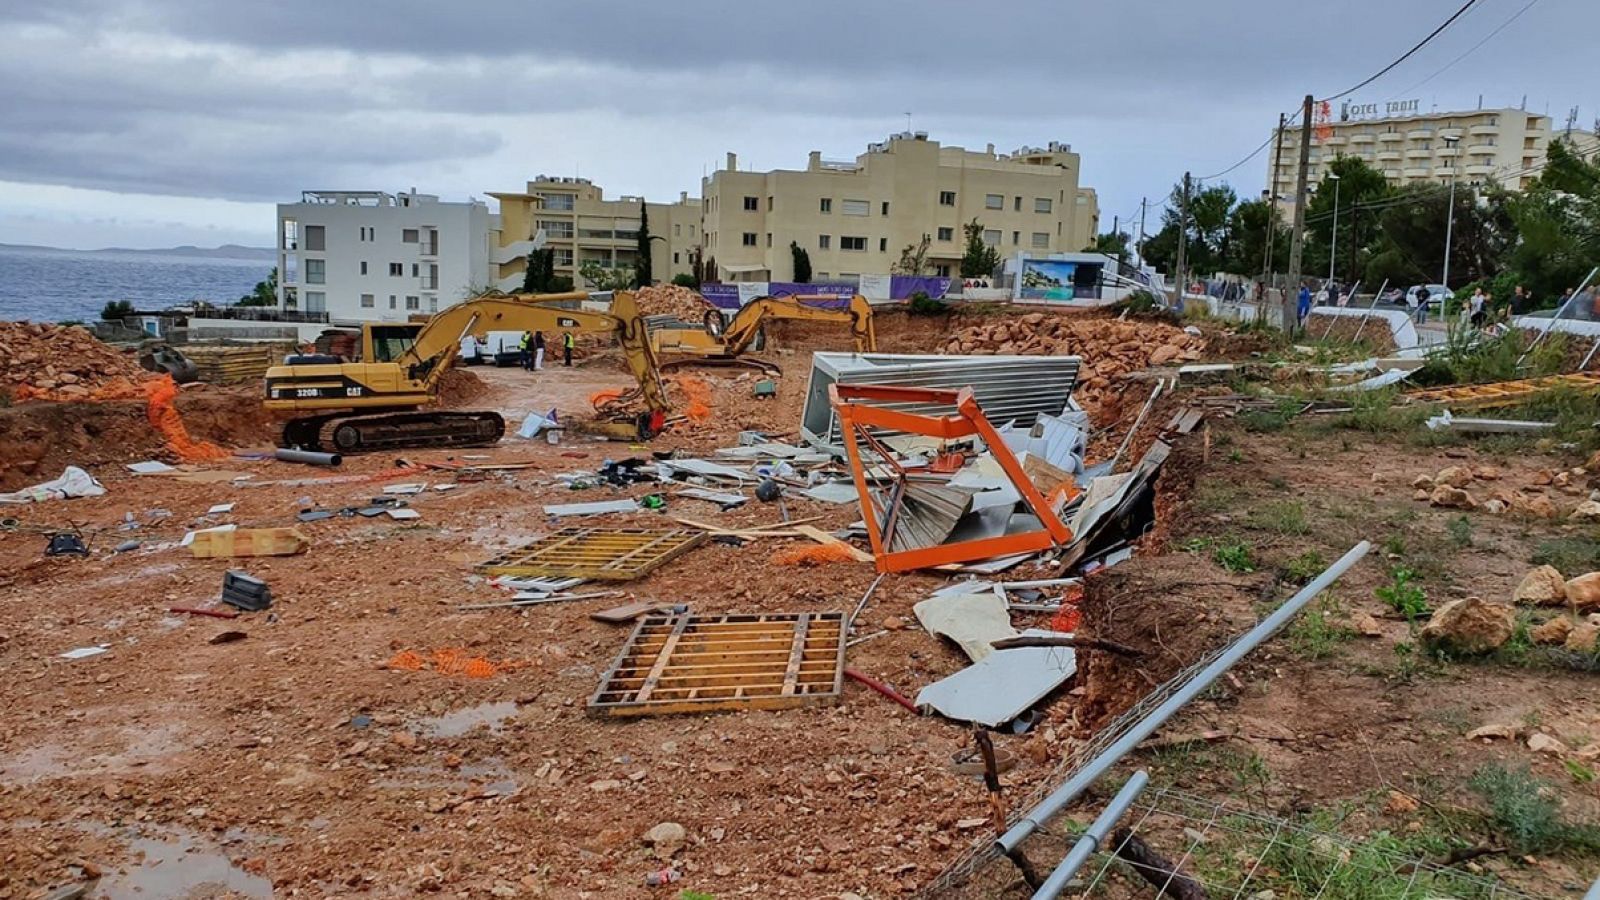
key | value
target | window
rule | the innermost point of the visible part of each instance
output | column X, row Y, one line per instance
column 994, row 201
column 433, row 304
column 677, row 230
column 316, row 237
column 991, row 237
column 1016, row 238
column 391, row 301
column 883, row 245
column 368, row 301
column 316, row 271
column 947, row 198
column 769, row 203
column 942, row 270
column 769, row 239
column 363, row 267
column 556, row 228
column 412, row 303
column 885, row 208
column 1042, row 205
column 751, row 204
column 415, row 270
column 827, row 205
column 1041, row 240
column 749, row 238
column 563, row 257
column 1016, row 204
column 396, row 270
column 559, row 201
column 674, row 258
column 857, row 208
column 824, row 241
column 408, row 235
column 316, row 301
column 852, row 243
column 947, row 234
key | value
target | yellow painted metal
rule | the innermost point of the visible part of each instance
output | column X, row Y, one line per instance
column 1504, row 393
column 706, row 663
column 604, row 554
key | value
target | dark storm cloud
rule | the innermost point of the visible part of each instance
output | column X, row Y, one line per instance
column 256, row 99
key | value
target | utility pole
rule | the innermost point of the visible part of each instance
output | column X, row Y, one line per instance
column 1141, row 229
column 1272, row 205
column 1116, row 231
column 1297, row 239
column 1183, row 241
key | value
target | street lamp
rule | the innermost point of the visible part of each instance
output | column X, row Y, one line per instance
column 1333, row 248
column 1450, row 217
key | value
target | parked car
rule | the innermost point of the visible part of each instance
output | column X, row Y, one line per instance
column 1436, row 295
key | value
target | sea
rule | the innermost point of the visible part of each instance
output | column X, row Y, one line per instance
column 45, row 285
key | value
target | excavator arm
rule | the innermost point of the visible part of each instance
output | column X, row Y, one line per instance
column 741, row 332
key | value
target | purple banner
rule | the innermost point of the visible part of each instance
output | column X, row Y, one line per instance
column 721, row 294
column 903, row 286
column 732, row 295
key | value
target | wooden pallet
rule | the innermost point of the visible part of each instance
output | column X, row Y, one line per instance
column 1504, row 393
column 705, row 663
column 605, row 554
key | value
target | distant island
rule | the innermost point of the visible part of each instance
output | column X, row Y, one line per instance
column 226, row 251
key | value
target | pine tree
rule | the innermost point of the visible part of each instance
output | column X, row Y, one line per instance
column 802, row 263
column 980, row 259
column 643, row 269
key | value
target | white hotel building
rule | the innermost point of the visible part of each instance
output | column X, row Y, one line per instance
column 370, row 256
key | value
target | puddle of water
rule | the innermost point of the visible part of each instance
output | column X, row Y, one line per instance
column 176, row 866
column 150, row 749
column 461, row 721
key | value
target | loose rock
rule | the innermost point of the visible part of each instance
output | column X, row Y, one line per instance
column 1471, row 625
column 1542, row 586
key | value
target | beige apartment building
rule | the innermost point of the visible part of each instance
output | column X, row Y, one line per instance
column 1506, row 145
column 855, row 217
column 580, row 225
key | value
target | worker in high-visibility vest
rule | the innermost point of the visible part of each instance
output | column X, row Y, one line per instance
column 526, row 346
column 566, row 347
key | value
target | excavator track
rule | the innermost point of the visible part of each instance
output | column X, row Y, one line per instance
column 368, row 433
column 743, row 362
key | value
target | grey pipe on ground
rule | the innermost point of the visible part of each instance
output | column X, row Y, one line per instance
column 309, row 457
column 1059, row 799
column 1090, row 841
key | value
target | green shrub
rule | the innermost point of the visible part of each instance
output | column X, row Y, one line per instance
column 1526, row 812
column 1235, row 556
column 116, row 309
column 1402, row 595
column 920, row 304
column 684, row 279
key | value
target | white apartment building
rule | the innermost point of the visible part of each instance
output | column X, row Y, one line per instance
column 371, row 256
column 1507, row 146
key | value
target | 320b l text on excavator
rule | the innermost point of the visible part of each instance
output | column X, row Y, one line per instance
column 375, row 401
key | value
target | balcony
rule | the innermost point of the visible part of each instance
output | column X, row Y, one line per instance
column 1336, row 140
column 428, row 248
column 1416, row 172
column 1448, row 152
column 1483, row 130
column 1389, row 136
column 1389, row 155
column 1479, row 169
column 1391, row 173
column 1419, row 134
column 1362, row 138
column 1419, row 153
column 1450, row 134
column 1482, row 147
column 429, row 282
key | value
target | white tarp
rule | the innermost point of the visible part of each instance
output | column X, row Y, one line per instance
column 973, row 620
column 74, row 482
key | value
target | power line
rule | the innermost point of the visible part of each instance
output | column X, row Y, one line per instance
column 1253, row 153
column 1407, row 55
column 1503, row 25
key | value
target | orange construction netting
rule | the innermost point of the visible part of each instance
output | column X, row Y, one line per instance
column 455, row 661
column 160, row 394
column 813, row 555
column 698, row 393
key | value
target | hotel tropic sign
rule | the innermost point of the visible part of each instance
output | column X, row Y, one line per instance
column 1348, row 110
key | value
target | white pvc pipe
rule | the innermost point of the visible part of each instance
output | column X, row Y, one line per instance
column 1090, row 841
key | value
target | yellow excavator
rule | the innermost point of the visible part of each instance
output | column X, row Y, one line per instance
column 722, row 343
column 374, row 402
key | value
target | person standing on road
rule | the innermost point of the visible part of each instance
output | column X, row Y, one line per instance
column 538, row 350
column 1475, row 308
column 1521, row 301
column 566, row 347
column 1420, row 313
column 526, row 346
column 1305, row 303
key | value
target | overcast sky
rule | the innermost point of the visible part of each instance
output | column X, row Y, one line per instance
column 159, row 122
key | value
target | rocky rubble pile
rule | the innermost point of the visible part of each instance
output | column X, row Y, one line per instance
column 1481, row 488
column 1376, row 333
column 672, row 300
column 1110, row 350
column 60, row 362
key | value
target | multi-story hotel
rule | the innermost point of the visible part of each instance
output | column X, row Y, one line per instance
column 1506, row 145
column 855, row 217
column 581, row 226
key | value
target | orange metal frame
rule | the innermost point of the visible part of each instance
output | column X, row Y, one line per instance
column 856, row 415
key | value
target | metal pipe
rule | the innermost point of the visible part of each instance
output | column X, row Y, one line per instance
column 1332, row 319
column 1370, row 307
column 1557, row 316
column 1144, row 411
column 309, row 457
column 1089, row 843
column 1069, row 791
